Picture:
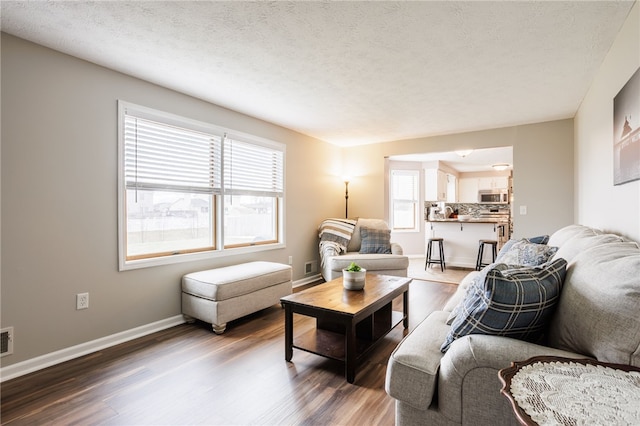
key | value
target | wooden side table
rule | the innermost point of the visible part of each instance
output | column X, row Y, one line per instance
column 548, row 390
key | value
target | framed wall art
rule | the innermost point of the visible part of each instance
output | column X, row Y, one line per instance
column 626, row 132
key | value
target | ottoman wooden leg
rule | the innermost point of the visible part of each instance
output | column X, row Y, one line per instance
column 219, row 328
column 188, row 319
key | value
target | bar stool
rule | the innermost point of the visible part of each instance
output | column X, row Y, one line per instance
column 494, row 252
column 429, row 259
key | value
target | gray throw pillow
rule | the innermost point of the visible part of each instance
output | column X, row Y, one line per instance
column 375, row 240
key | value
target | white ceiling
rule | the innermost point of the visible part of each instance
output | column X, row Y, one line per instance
column 346, row 72
column 479, row 160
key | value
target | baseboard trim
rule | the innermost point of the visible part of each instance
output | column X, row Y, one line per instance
column 57, row 357
column 307, row 280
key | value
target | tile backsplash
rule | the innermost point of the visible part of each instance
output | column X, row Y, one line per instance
column 473, row 209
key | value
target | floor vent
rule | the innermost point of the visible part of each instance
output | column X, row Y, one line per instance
column 6, row 341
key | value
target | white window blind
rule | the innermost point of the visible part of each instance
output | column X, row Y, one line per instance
column 161, row 156
column 251, row 169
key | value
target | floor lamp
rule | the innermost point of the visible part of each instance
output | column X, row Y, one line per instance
column 346, row 198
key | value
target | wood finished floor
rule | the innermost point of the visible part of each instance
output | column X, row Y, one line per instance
column 189, row 375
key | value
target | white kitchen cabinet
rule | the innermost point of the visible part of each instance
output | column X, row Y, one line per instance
column 494, row 182
column 452, row 189
column 468, row 190
column 435, row 185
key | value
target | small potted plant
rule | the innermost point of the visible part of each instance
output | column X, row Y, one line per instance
column 353, row 277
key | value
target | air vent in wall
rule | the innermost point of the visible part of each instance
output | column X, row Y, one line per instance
column 311, row 267
column 6, row 341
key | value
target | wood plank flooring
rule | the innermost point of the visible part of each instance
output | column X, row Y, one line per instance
column 189, row 375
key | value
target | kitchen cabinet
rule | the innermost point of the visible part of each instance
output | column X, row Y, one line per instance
column 468, row 190
column 435, row 185
column 494, row 182
column 452, row 189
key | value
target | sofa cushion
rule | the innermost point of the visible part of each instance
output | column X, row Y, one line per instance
column 582, row 241
column 412, row 370
column 558, row 238
column 371, row 262
column 525, row 253
column 516, row 303
column 599, row 310
column 375, row 240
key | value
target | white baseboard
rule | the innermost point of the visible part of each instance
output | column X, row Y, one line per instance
column 53, row 358
column 307, row 280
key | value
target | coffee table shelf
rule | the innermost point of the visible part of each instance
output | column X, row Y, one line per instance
column 331, row 344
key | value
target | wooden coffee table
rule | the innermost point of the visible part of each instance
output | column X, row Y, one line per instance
column 348, row 323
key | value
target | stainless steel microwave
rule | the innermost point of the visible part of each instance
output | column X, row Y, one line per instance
column 493, row 196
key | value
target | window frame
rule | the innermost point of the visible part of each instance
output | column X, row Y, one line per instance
column 218, row 202
column 415, row 202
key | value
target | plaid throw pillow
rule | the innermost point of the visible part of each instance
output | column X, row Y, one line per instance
column 515, row 303
column 375, row 240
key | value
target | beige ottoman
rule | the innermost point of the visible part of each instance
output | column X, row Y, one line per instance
column 220, row 295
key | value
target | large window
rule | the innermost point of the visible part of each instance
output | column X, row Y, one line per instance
column 191, row 190
column 405, row 200
column 253, row 190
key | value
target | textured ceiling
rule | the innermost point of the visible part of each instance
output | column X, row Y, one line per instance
column 346, row 72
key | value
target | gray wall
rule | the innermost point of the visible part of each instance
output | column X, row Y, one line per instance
column 542, row 178
column 59, row 200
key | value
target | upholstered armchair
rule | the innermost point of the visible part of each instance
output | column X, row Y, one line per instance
column 364, row 241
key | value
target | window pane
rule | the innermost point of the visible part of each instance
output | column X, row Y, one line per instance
column 404, row 187
column 249, row 220
column 404, row 199
column 404, row 215
column 168, row 222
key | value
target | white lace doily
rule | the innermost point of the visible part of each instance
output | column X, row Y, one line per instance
column 569, row 393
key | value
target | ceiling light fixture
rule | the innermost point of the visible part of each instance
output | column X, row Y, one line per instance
column 464, row 152
column 500, row 166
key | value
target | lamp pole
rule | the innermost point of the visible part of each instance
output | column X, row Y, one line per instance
column 346, row 199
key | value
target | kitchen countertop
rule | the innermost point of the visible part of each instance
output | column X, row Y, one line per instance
column 474, row 220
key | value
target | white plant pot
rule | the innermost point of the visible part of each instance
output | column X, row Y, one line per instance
column 353, row 280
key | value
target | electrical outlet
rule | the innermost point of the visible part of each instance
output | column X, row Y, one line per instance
column 82, row 301
column 290, row 260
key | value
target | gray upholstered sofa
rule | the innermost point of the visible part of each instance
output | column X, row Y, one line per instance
column 597, row 315
column 336, row 257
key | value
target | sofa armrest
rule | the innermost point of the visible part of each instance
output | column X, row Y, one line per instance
column 412, row 370
column 468, row 379
column 396, row 249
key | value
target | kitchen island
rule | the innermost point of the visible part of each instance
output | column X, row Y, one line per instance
column 461, row 238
